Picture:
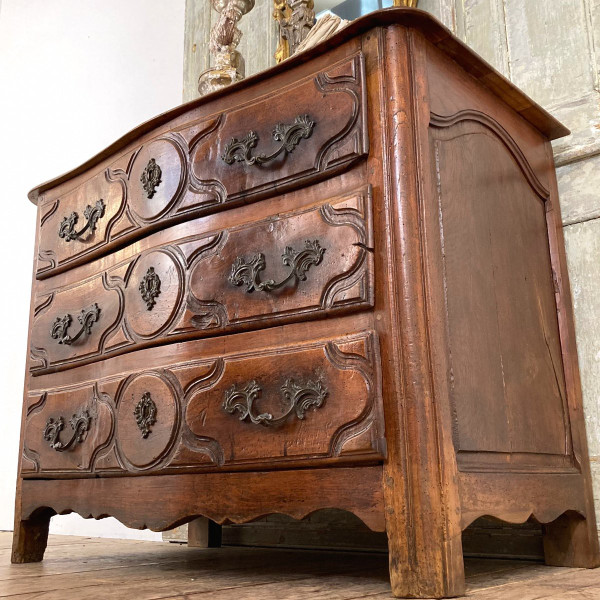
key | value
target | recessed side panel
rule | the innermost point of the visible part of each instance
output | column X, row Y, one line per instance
column 505, row 373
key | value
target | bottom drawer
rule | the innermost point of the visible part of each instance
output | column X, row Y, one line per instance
column 300, row 403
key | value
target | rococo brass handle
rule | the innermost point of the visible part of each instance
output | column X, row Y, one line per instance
column 87, row 318
column 300, row 397
column 248, row 272
column 91, row 213
column 79, row 422
column 289, row 136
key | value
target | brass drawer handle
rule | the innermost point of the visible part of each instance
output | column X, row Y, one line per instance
column 91, row 213
column 248, row 272
column 80, row 424
column 87, row 318
column 300, row 397
column 289, row 136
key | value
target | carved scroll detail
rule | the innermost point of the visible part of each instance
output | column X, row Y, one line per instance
column 224, row 39
column 295, row 19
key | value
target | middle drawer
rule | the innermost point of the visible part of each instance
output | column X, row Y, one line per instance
column 175, row 285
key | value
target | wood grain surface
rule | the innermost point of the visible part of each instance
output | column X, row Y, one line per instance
column 415, row 367
column 92, row 567
column 222, row 497
column 324, row 399
column 197, row 174
column 317, row 255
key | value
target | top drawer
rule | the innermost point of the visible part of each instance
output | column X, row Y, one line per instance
column 309, row 130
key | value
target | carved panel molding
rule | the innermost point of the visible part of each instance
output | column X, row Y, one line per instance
column 474, row 118
column 497, row 440
column 214, row 282
column 202, row 165
column 180, row 417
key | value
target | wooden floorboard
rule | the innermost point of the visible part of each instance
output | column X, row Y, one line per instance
column 87, row 568
column 61, row 540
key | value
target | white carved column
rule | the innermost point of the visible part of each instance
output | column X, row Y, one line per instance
column 225, row 36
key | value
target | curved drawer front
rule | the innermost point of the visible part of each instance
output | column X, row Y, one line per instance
column 309, row 130
column 65, row 430
column 283, row 140
column 305, row 402
column 297, row 265
column 79, row 221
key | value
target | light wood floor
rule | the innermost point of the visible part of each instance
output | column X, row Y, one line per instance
column 100, row 569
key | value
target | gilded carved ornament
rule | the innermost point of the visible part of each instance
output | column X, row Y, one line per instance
column 295, row 19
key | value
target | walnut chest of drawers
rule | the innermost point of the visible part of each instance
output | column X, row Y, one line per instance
column 340, row 283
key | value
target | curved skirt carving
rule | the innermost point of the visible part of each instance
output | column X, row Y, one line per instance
column 221, row 497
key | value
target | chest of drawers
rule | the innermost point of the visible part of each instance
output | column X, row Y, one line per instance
column 341, row 284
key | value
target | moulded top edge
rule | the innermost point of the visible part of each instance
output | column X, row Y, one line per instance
column 429, row 26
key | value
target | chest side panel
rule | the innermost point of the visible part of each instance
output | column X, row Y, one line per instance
column 492, row 257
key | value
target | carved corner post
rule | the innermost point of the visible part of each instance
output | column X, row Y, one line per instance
column 422, row 505
column 295, row 19
column 30, row 536
column 570, row 540
column 224, row 39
